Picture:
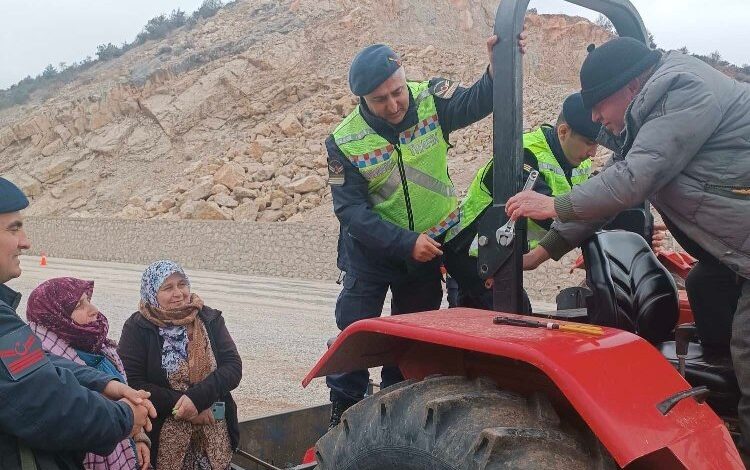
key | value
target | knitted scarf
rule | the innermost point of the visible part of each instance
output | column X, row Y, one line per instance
column 178, row 438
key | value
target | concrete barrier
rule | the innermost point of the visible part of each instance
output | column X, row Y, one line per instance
column 269, row 249
column 291, row 250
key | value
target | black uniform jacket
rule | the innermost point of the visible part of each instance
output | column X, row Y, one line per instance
column 370, row 247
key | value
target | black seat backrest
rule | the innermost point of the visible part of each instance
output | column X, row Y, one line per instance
column 630, row 289
column 637, row 220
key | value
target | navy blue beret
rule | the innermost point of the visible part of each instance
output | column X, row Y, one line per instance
column 371, row 67
column 578, row 117
column 12, row 199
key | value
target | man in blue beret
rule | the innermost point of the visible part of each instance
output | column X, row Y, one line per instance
column 52, row 411
column 388, row 171
column 562, row 156
column 680, row 130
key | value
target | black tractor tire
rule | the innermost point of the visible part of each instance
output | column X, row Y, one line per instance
column 452, row 423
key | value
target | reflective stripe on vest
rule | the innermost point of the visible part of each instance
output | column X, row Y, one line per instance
column 413, row 176
column 553, row 175
column 477, row 199
column 420, row 157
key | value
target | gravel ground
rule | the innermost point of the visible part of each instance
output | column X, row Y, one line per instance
column 280, row 325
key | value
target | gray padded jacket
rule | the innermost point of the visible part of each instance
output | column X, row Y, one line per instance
column 686, row 148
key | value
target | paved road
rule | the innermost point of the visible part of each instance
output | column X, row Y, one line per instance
column 280, row 325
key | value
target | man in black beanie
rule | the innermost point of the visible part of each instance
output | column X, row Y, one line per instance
column 388, row 171
column 681, row 130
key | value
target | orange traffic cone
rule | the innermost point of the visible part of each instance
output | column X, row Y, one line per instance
column 43, row 261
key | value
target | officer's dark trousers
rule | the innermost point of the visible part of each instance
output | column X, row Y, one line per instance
column 360, row 299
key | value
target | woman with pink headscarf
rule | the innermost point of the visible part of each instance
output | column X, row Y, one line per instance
column 61, row 314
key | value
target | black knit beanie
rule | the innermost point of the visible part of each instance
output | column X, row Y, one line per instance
column 611, row 66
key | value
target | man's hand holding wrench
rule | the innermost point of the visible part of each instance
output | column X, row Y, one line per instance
column 507, row 232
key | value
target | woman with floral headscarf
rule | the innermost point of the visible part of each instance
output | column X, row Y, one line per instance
column 180, row 350
column 61, row 314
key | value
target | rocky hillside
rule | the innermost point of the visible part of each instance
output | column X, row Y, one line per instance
column 226, row 120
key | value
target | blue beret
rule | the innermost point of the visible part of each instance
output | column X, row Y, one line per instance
column 578, row 117
column 371, row 67
column 12, row 199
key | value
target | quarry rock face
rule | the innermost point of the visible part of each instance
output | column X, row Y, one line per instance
column 229, row 121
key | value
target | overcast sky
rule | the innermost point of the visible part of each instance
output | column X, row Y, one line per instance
column 34, row 33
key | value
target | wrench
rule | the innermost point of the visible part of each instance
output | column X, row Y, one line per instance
column 507, row 232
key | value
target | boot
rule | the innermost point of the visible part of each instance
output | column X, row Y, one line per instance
column 337, row 409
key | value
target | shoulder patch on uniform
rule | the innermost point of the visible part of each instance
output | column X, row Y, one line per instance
column 21, row 352
column 336, row 173
column 528, row 168
column 444, row 88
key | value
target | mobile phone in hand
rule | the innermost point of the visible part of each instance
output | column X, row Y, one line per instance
column 218, row 410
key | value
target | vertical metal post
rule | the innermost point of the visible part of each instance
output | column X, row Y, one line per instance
column 504, row 264
column 507, row 148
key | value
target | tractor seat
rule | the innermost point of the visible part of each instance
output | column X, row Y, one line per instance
column 712, row 368
column 630, row 289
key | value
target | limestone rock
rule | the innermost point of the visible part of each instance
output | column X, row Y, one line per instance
column 241, row 193
column 263, row 202
column 208, row 210
column 219, row 189
column 231, row 175
column 255, row 150
column 290, row 126
column 136, row 201
column 133, row 212
column 277, row 203
column 57, row 167
column 167, row 203
column 307, row 184
column 264, row 174
column 270, row 216
column 282, row 180
column 247, row 211
column 225, row 200
column 52, row 148
column 199, row 191
column 306, row 162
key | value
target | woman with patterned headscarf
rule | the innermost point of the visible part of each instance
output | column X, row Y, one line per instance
column 180, row 350
column 61, row 314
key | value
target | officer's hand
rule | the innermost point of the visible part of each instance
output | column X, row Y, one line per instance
column 141, row 417
column 492, row 40
column 534, row 258
column 185, row 409
column 425, row 249
column 143, row 454
column 532, row 205
column 659, row 238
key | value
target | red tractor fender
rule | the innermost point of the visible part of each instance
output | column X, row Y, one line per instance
column 614, row 381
